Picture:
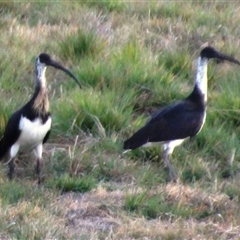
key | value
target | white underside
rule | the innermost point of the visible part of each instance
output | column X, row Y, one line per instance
column 167, row 146
column 31, row 137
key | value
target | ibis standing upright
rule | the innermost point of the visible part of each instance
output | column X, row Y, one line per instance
column 29, row 127
column 173, row 124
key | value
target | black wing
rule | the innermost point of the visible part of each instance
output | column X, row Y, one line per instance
column 11, row 134
column 181, row 120
column 12, row 131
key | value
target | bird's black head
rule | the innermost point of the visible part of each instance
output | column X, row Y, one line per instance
column 44, row 58
column 210, row 52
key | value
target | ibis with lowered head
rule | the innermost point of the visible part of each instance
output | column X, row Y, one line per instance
column 29, row 127
column 172, row 124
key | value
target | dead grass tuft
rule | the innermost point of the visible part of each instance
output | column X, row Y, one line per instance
column 91, row 211
column 201, row 198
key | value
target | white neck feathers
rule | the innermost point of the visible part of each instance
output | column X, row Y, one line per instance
column 40, row 75
column 201, row 77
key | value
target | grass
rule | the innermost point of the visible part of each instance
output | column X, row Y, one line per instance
column 131, row 58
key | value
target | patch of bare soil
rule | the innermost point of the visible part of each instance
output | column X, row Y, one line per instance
column 91, row 212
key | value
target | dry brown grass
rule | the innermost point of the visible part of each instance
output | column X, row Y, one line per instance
column 100, row 213
column 101, row 210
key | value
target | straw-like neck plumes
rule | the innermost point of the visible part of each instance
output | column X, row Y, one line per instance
column 201, row 76
column 41, row 103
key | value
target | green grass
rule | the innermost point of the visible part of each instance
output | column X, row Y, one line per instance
column 113, row 5
column 74, row 184
column 131, row 58
column 79, row 45
column 161, row 206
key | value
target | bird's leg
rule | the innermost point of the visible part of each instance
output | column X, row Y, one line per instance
column 38, row 153
column 13, row 152
column 11, row 168
column 38, row 170
column 166, row 159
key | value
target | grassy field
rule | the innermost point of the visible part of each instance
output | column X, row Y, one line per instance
column 131, row 58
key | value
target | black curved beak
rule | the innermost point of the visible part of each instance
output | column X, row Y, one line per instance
column 222, row 56
column 210, row 52
column 59, row 66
